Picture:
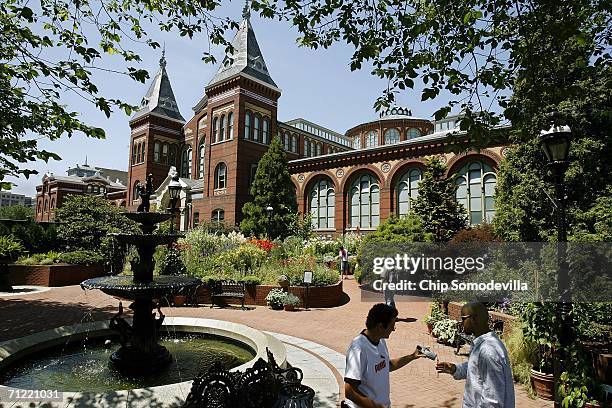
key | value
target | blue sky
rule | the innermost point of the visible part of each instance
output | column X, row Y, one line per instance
column 316, row 85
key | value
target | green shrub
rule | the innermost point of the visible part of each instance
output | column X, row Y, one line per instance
column 479, row 233
column 250, row 280
column 243, row 258
column 48, row 258
column 521, row 352
column 10, row 247
column 171, row 263
column 83, row 257
column 435, row 314
column 291, row 299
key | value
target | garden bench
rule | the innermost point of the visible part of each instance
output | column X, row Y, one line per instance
column 227, row 289
column 462, row 338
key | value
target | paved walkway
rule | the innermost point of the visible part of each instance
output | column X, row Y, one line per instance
column 416, row 385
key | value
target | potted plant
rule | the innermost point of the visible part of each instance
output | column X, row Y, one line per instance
column 10, row 248
column 540, row 327
column 275, row 299
column 291, row 302
column 435, row 314
column 445, row 330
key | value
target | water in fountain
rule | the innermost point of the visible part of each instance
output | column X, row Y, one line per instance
column 140, row 352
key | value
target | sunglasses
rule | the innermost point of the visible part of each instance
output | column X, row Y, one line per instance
column 464, row 318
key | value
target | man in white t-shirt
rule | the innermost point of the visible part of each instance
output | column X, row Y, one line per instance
column 366, row 381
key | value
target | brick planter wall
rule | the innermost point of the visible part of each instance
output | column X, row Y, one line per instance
column 52, row 275
column 318, row 296
column 454, row 312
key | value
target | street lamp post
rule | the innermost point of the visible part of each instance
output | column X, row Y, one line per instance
column 174, row 189
column 270, row 211
column 556, row 143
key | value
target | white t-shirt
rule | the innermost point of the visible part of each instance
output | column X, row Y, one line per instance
column 343, row 255
column 369, row 363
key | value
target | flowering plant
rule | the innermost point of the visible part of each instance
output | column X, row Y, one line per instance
column 264, row 244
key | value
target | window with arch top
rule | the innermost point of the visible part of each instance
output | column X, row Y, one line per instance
column 186, row 162
column 413, row 133
column 476, row 183
column 230, row 125
column 407, row 190
column 247, row 125
column 215, row 127
column 371, row 139
column 256, row 128
column 392, row 136
column 220, row 176
column 156, row 152
column 201, row 153
column 266, row 131
column 365, row 202
column 322, row 202
column 222, row 129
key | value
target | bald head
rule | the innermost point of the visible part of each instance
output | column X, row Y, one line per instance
column 478, row 321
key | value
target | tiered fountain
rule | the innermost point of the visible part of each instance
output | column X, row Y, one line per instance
column 140, row 352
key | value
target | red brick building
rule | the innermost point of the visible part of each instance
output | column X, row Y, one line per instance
column 347, row 181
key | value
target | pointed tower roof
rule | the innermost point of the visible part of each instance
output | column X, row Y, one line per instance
column 246, row 58
column 160, row 99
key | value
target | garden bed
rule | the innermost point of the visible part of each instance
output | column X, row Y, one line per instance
column 52, row 275
column 255, row 295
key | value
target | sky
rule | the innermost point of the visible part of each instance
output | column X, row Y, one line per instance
column 316, row 85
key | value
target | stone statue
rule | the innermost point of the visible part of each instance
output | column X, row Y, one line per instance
column 144, row 192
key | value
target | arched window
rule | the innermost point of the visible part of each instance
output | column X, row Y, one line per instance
column 413, row 133
column 144, row 152
column 139, row 153
column 371, row 139
column 294, row 144
column 357, row 142
column 46, row 205
column 256, row 128
column 156, row 152
column 196, row 219
column 319, row 149
column 172, row 156
column 52, row 204
column 230, row 125
column 134, row 156
column 476, row 183
column 322, row 204
column 201, row 152
column 218, row 215
column 392, row 136
column 247, row 125
column 186, row 162
column 220, row 176
column 164, row 154
column 365, row 202
column 215, row 126
column 222, row 129
column 266, row 126
column 407, row 190
column 135, row 190
column 39, row 208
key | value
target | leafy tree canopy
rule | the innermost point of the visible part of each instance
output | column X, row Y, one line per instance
column 437, row 204
column 272, row 187
column 85, row 34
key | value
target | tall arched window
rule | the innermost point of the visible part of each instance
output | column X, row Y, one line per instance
column 139, row 153
column 266, row 131
column 413, row 133
column 371, row 139
column 476, row 183
column 286, row 142
column 365, row 202
column 201, row 152
column 221, row 176
column 156, row 152
column 218, row 215
column 215, row 126
column 294, row 144
column 357, row 142
column 135, row 190
column 164, row 154
column 230, row 125
column 392, row 136
column 134, row 156
column 172, row 155
column 319, row 149
column 46, row 205
column 222, row 129
column 407, row 190
column 256, row 128
column 247, row 125
column 322, row 204
column 186, row 162
column 52, row 204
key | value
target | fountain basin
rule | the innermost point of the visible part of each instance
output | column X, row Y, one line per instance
column 124, row 286
column 166, row 395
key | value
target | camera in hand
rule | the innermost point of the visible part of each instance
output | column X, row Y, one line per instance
column 428, row 353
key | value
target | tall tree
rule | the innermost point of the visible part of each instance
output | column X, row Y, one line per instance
column 84, row 33
column 272, row 187
column 437, row 204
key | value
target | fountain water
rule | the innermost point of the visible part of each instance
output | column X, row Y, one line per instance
column 140, row 351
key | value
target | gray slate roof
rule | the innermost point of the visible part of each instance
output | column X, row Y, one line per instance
column 160, row 98
column 247, row 57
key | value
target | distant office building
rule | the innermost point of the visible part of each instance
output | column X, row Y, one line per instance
column 8, row 199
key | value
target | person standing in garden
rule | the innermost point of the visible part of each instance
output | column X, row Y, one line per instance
column 487, row 373
column 343, row 255
column 366, row 380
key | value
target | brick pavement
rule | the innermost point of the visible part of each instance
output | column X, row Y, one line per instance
column 416, row 385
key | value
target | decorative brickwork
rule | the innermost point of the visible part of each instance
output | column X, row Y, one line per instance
column 52, row 275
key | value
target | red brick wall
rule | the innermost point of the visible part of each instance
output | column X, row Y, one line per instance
column 454, row 312
column 52, row 275
column 319, row 296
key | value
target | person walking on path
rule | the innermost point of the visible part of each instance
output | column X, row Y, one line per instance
column 343, row 255
column 487, row 372
column 366, row 380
